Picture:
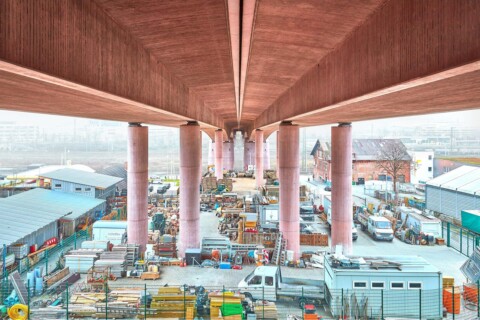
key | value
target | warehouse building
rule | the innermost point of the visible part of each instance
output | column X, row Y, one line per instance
column 454, row 191
column 88, row 184
column 34, row 216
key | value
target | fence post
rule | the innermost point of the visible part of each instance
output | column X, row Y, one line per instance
column 303, row 308
column 263, row 302
column 46, row 262
column 468, row 244
column 106, row 301
column 448, row 234
column 145, row 302
column 420, row 303
column 75, row 240
column 443, row 236
column 342, row 305
column 382, row 303
column 28, row 300
column 453, row 302
column 185, row 302
column 66, row 300
column 461, row 239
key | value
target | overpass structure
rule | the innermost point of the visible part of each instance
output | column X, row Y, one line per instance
column 255, row 66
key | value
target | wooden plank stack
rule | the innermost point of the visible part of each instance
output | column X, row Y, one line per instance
column 172, row 302
column 315, row 239
column 57, row 276
column 217, row 299
column 266, row 310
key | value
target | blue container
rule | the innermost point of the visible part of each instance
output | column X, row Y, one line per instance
column 225, row 265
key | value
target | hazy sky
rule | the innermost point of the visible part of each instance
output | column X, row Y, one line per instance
column 461, row 118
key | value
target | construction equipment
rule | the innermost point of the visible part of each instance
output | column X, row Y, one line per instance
column 278, row 256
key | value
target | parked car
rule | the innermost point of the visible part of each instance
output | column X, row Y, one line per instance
column 328, row 188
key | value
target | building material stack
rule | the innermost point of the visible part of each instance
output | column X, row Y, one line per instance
column 266, row 310
column 228, row 183
column 81, row 260
column 130, row 250
column 225, row 304
column 167, row 247
column 116, row 261
column 172, row 302
column 209, row 183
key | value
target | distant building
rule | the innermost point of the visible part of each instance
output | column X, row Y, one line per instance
column 422, row 166
column 443, row 165
column 454, row 191
column 365, row 161
column 88, row 184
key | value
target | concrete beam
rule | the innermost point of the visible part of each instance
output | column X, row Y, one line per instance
column 402, row 41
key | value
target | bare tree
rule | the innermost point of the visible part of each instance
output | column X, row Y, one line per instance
column 394, row 160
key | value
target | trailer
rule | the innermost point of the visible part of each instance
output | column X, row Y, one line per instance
column 367, row 284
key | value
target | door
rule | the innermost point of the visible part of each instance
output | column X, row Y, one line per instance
column 255, row 287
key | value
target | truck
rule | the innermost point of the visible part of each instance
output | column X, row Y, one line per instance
column 267, row 283
column 354, row 229
column 380, row 228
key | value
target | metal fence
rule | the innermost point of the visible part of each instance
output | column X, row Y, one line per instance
column 460, row 239
column 127, row 300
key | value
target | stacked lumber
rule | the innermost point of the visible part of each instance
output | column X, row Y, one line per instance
column 315, row 239
column 172, row 302
column 56, row 276
column 116, row 261
column 131, row 251
column 266, row 310
column 218, row 299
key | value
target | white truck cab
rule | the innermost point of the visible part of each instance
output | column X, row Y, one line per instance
column 380, row 228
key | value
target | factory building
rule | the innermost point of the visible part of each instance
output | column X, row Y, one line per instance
column 454, row 191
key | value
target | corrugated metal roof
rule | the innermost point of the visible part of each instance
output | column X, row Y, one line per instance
column 96, row 180
column 27, row 212
column 465, row 179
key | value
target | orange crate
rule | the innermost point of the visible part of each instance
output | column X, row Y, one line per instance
column 470, row 292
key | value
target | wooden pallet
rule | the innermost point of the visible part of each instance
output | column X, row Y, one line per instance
column 150, row 276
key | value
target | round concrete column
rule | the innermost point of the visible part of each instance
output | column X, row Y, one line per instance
column 211, row 153
column 289, row 168
column 249, row 154
column 219, row 154
column 266, row 155
column 137, row 195
column 342, row 215
column 190, row 157
column 228, row 155
column 277, row 164
column 259, row 158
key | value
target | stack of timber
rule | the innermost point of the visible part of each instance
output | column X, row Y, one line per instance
column 315, row 239
column 266, row 310
column 48, row 313
column 131, row 251
column 209, row 183
column 219, row 299
column 172, row 302
column 56, row 276
column 114, row 260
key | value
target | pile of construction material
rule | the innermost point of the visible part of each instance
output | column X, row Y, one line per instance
column 130, row 250
column 81, row 260
column 227, row 305
column 315, row 239
column 209, row 183
column 116, row 261
column 104, row 245
column 270, row 176
column 265, row 310
column 172, row 302
column 167, row 248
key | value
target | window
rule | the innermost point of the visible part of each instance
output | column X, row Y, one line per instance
column 269, row 281
column 429, row 157
column 378, row 285
column 414, row 285
column 88, row 189
column 78, row 189
column 429, row 169
column 398, row 285
column 58, row 185
column 255, row 280
column 360, row 284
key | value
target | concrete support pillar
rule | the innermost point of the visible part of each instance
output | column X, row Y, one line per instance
column 219, row 154
column 190, row 158
column 289, row 168
column 277, row 164
column 342, row 215
column 137, row 195
column 249, row 154
column 228, row 155
column 266, row 155
column 259, row 158
column 211, row 153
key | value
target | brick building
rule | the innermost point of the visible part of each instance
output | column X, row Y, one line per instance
column 365, row 161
